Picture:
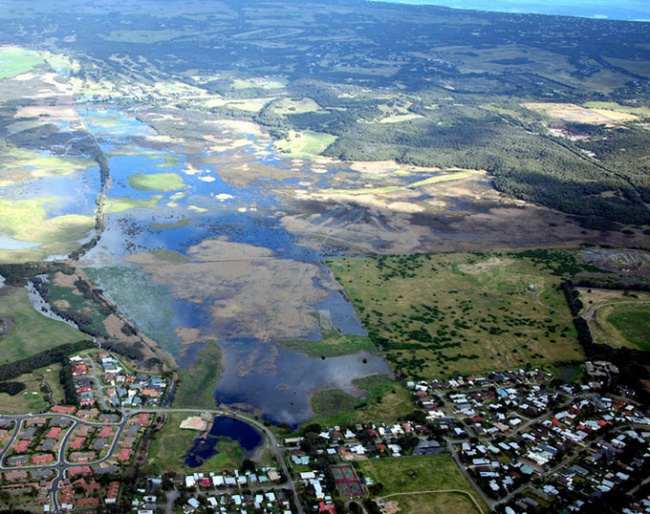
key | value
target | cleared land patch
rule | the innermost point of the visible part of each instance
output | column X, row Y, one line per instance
column 416, row 475
column 461, row 313
column 304, row 144
column 579, row 114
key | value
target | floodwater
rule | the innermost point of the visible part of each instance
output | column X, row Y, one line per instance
column 258, row 373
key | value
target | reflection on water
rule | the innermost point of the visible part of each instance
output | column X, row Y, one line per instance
column 280, row 381
column 275, row 381
column 222, row 427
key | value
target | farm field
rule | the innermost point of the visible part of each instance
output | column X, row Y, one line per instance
column 445, row 315
column 412, row 482
column 31, row 332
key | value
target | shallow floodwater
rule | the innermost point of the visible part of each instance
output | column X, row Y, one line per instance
column 258, row 374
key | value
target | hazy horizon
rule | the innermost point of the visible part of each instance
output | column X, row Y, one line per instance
column 628, row 10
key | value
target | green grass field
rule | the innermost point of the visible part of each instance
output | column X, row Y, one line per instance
column 445, row 315
column 304, row 144
column 27, row 220
column 165, row 182
column 15, row 60
column 633, row 323
column 32, row 332
column 419, row 475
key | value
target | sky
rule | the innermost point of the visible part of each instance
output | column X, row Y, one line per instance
column 636, row 10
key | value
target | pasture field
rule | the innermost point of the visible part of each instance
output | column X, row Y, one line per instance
column 31, row 332
column 15, row 61
column 579, row 114
column 642, row 111
column 616, row 318
column 445, row 315
column 417, row 476
column 304, row 144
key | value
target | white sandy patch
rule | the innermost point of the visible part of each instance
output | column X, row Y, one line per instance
column 222, row 197
column 207, row 179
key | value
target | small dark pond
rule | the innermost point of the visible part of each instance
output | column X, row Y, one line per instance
column 204, row 448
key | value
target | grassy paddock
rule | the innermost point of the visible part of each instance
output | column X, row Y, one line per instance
column 417, row 475
column 304, row 144
column 32, row 332
column 444, row 315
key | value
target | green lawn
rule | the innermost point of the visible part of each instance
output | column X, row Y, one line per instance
column 32, row 332
column 445, row 315
column 418, row 476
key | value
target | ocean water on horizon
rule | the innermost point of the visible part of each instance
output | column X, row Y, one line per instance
column 629, row 10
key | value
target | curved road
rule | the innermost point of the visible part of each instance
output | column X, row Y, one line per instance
column 62, row 465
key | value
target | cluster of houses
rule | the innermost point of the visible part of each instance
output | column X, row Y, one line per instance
column 233, row 492
column 123, row 389
column 533, row 444
column 130, row 390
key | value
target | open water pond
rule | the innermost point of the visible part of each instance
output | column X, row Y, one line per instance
column 185, row 252
column 204, row 448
